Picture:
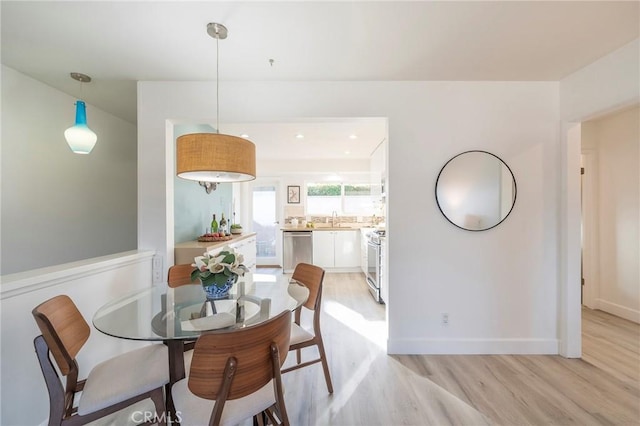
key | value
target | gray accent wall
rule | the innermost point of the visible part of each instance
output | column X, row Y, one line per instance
column 57, row 206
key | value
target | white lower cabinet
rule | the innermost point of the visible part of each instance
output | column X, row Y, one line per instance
column 336, row 249
column 324, row 249
column 248, row 249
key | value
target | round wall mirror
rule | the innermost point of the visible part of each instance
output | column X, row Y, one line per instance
column 475, row 190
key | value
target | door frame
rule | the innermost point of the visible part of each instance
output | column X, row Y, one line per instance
column 277, row 183
column 589, row 229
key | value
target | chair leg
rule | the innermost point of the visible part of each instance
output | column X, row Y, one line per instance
column 274, row 411
column 258, row 419
column 298, row 356
column 157, row 396
column 325, row 365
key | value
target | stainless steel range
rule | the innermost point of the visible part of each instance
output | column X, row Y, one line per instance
column 373, row 263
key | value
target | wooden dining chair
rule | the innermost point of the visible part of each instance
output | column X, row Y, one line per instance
column 236, row 375
column 310, row 276
column 110, row 386
column 180, row 275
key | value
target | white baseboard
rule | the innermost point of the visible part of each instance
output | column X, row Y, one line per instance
column 473, row 346
column 618, row 310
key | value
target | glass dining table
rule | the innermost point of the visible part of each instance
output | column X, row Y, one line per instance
column 178, row 315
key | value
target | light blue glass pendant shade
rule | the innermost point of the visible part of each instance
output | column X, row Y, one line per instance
column 80, row 137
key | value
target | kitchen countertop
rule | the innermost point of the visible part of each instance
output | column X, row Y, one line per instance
column 187, row 251
column 321, row 228
column 212, row 245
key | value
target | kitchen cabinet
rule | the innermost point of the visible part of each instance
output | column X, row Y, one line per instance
column 347, row 249
column 336, row 249
column 248, row 249
column 245, row 243
column 324, row 249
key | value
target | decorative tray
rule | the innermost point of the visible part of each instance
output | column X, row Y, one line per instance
column 212, row 239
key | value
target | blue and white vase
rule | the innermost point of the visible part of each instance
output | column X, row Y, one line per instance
column 215, row 292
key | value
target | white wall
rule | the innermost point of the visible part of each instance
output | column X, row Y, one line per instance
column 90, row 284
column 66, row 205
column 616, row 140
column 608, row 84
column 313, row 171
column 605, row 85
column 299, row 172
column 500, row 286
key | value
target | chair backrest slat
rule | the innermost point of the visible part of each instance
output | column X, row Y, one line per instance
column 251, row 348
column 311, row 276
column 180, row 275
column 63, row 328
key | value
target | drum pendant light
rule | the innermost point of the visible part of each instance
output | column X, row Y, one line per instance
column 80, row 137
column 215, row 157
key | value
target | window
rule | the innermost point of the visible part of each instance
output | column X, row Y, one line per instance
column 344, row 198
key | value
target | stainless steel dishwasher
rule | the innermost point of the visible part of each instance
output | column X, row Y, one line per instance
column 298, row 247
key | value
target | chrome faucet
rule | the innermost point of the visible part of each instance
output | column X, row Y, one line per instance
column 334, row 216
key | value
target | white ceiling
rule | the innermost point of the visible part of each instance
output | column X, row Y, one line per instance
column 119, row 43
column 353, row 138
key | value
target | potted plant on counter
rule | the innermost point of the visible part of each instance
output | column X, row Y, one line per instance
column 236, row 228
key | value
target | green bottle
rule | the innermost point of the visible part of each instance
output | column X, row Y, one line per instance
column 214, row 224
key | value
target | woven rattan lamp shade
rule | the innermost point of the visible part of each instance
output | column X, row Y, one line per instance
column 212, row 157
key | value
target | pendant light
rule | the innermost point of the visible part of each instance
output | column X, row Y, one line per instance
column 80, row 137
column 215, row 157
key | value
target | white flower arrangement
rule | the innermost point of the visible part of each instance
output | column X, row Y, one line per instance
column 216, row 269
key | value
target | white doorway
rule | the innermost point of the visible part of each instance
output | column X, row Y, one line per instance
column 266, row 220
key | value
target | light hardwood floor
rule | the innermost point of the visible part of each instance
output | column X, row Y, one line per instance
column 372, row 388
column 612, row 344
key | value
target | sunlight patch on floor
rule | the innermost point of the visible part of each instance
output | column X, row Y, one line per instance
column 341, row 397
column 374, row 331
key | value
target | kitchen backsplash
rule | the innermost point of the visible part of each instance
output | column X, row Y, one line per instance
column 358, row 220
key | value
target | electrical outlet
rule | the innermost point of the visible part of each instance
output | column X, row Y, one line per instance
column 156, row 269
column 445, row 318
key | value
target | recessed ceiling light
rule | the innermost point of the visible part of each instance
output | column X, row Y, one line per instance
column 347, row 152
column 300, row 136
column 353, row 136
column 244, row 135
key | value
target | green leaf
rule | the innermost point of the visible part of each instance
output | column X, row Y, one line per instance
column 220, row 279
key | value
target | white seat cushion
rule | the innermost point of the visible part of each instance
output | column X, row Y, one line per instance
column 188, row 357
column 299, row 334
column 195, row 411
column 125, row 376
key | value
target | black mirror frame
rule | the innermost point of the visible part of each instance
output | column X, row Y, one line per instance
column 515, row 190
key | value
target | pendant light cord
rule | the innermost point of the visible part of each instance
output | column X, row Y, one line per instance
column 217, row 84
